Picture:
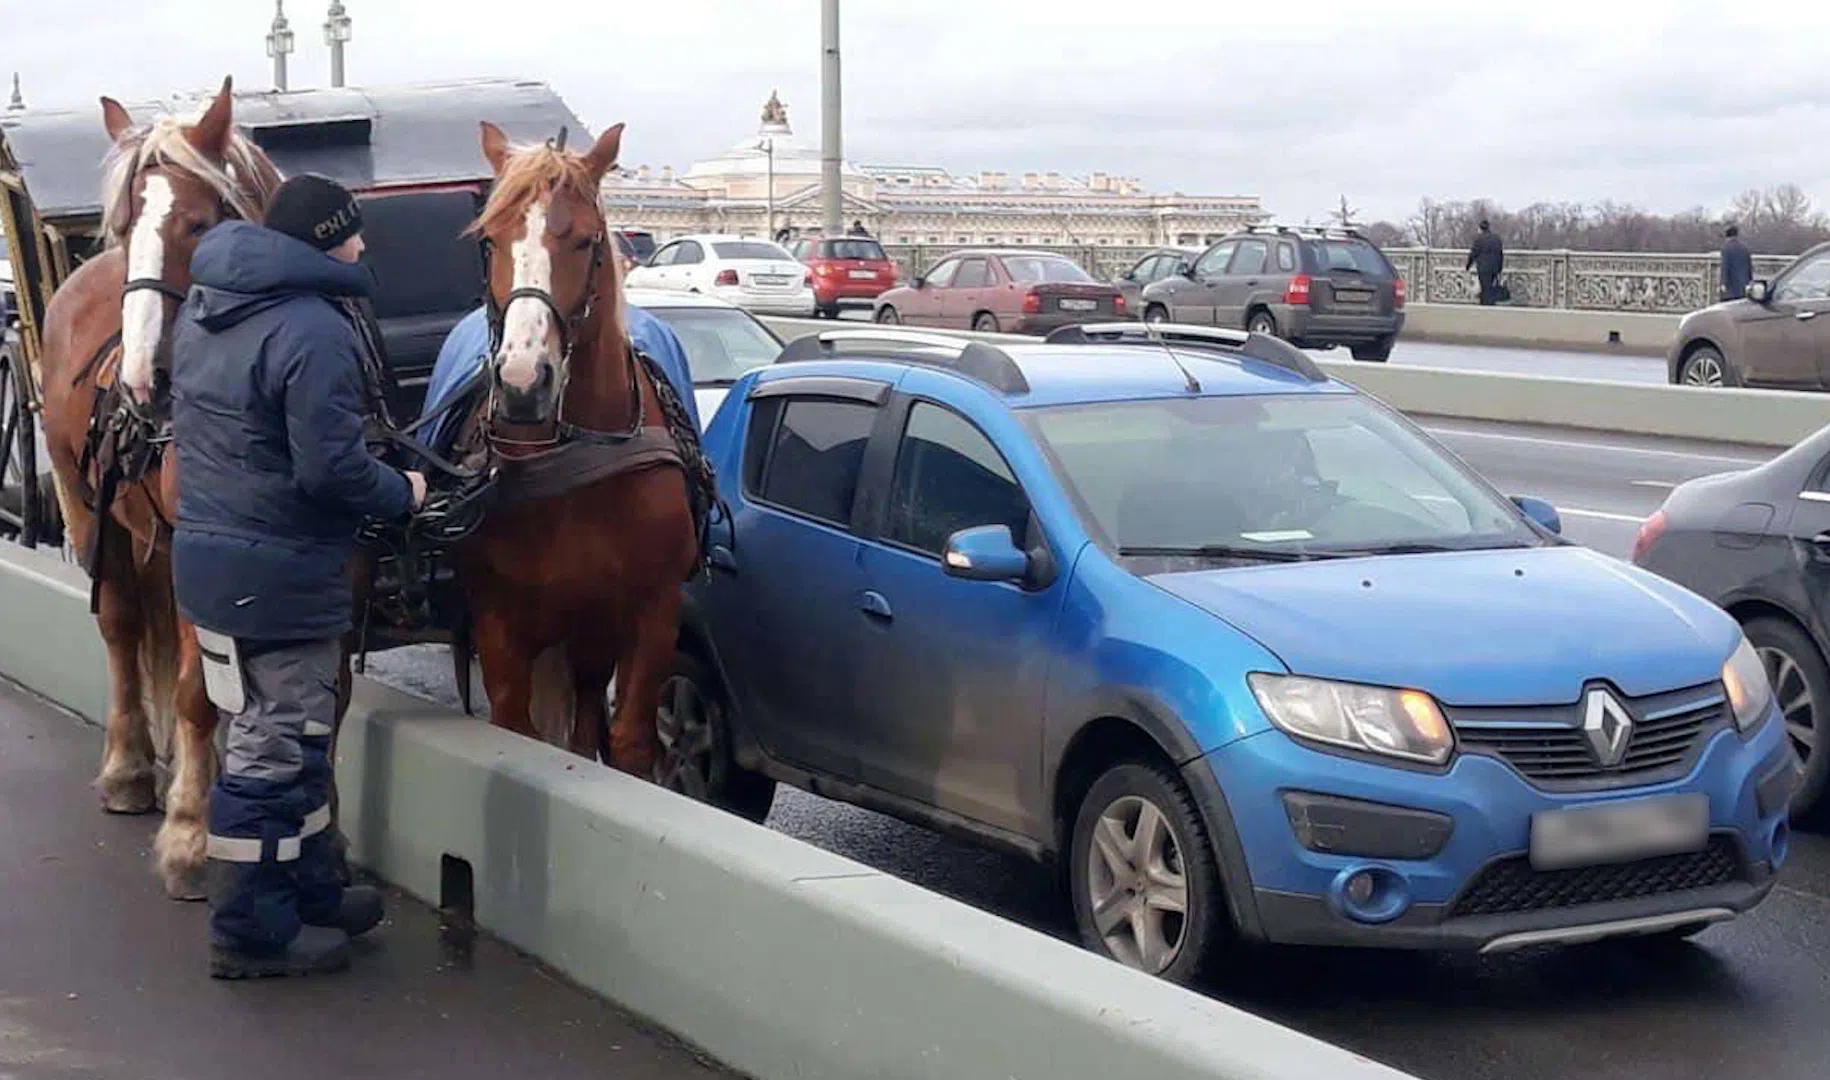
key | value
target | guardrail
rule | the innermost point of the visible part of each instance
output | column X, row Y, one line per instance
column 1773, row 418
column 772, row 956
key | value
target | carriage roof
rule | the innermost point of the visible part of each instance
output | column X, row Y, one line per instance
column 364, row 137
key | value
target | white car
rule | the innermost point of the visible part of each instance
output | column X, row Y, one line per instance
column 758, row 275
column 722, row 341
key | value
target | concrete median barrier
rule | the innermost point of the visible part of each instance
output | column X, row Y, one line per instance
column 774, row 957
column 1625, row 332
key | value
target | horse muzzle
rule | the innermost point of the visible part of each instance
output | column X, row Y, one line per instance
column 533, row 403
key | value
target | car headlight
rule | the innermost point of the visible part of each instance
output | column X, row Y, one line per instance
column 1749, row 693
column 1397, row 723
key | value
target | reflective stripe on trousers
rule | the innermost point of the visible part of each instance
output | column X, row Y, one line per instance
column 248, row 849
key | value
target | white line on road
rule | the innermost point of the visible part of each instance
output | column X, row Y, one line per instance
column 1577, row 444
column 1604, row 515
column 1652, row 483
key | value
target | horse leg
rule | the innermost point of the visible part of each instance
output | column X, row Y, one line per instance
column 634, row 743
column 593, row 662
column 179, row 847
column 126, row 781
column 508, row 661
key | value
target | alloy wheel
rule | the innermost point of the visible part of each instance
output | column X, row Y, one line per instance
column 684, row 725
column 1796, row 702
column 1704, row 368
column 1137, row 890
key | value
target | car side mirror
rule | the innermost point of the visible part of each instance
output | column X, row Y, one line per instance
column 1759, row 292
column 1189, row 273
column 985, row 553
column 1129, row 275
column 1540, row 511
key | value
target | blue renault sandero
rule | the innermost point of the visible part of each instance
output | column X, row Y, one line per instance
column 1241, row 650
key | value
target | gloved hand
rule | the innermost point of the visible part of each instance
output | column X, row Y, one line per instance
column 418, row 482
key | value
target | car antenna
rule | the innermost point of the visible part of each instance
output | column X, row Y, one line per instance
column 1190, row 383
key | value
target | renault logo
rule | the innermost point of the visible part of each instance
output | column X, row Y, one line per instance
column 1607, row 726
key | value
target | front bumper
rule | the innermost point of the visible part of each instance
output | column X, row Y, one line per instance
column 1448, row 850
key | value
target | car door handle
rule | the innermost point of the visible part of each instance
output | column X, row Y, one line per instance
column 872, row 603
column 1803, row 315
column 723, row 559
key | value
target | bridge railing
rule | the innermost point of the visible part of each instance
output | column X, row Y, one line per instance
column 1570, row 280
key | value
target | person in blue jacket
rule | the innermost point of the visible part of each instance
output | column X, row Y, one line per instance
column 267, row 422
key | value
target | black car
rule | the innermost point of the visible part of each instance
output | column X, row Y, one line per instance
column 1757, row 544
column 1316, row 288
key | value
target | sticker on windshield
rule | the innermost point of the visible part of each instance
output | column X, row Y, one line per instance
column 1278, row 536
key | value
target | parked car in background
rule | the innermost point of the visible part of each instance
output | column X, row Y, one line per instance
column 758, row 275
column 637, row 245
column 1164, row 262
column 1757, row 544
column 1195, row 627
column 1315, row 288
column 1778, row 337
column 848, row 272
column 1002, row 290
column 722, row 340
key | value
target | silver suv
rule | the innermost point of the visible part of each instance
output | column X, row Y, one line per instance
column 1316, row 288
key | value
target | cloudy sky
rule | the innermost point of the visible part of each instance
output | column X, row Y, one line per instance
column 1665, row 104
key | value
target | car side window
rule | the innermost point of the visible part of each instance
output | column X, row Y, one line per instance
column 973, row 274
column 1146, row 271
column 804, row 455
column 942, row 276
column 1810, row 281
column 950, row 477
column 688, row 253
column 665, row 256
column 1213, row 264
column 1286, row 258
column 1250, row 259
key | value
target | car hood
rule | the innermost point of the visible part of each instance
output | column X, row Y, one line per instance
column 1513, row 627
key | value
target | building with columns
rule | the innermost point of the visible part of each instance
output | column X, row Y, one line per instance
column 775, row 172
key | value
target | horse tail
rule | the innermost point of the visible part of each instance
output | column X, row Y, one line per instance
column 551, row 704
column 159, row 655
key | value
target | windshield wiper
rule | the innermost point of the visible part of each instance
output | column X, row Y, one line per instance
column 1225, row 551
column 1427, row 547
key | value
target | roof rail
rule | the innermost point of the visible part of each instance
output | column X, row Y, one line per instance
column 976, row 360
column 1260, row 347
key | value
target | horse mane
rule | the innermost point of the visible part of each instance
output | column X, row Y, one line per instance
column 532, row 171
column 245, row 179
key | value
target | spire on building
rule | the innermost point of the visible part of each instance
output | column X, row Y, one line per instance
column 18, row 101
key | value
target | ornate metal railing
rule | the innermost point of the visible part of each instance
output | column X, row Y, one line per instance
column 1577, row 280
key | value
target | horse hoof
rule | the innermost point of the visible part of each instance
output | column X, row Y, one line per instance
column 186, row 886
column 129, row 797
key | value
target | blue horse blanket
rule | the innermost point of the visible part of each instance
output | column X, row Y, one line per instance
column 466, row 349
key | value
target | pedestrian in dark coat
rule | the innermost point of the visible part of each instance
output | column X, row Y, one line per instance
column 268, row 410
column 1487, row 257
column 1737, row 266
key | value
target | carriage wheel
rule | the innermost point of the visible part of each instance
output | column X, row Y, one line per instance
column 20, row 500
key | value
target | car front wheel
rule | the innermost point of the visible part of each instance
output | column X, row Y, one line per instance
column 887, row 315
column 696, row 758
column 1801, row 688
column 1145, row 886
column 1704, row 366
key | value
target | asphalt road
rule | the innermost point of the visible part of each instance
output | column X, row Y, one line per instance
column 103, row 978
column 1748, row 998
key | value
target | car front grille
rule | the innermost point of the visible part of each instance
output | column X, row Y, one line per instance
column 1549, row 747
column 1511, row 885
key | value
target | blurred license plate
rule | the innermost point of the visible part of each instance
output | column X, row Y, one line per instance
column 864, row 275
column 771, row 279
column 1354, row 296
column 1079, row 305
column 1619, row 832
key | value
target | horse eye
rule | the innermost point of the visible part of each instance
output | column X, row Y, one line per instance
column 198, row 228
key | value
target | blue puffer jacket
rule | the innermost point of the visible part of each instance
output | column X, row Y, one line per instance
column 267, row 421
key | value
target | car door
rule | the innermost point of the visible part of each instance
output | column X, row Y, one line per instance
column 1131, row 283
column 787, row 604
column 1196, row 300
column 687, row 271
column 1244, row 277
column 968, row 294
column 922, row 304
column 653, row 273
column 1781, row 339
column 953, row 671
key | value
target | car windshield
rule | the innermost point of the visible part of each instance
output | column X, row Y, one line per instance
column 750, row 249
column 1033, row 268
column 1274, row 478
column 852, row 249
column 721, row 343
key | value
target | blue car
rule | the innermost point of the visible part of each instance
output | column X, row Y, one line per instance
column 1241, row 650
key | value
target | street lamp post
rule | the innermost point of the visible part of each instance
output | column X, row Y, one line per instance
column 279, row 43
column 830, row 147
column 767, row 146
column 336, row 35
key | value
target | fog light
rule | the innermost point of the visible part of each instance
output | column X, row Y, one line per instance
column 1360, row 888
column 1370, row 894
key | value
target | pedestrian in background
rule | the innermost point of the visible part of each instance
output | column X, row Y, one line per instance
column 1487, row 258
column 1737, row 265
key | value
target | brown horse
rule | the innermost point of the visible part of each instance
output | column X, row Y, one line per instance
column 574, row 576
column 164, row 186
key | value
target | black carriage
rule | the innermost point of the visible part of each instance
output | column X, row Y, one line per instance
column 410, row 152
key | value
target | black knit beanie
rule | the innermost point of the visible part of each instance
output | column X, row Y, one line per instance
column 314, row 209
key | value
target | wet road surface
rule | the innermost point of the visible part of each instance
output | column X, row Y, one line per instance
column 103, row 978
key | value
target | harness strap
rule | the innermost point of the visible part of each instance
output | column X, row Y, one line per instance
column 574, row 464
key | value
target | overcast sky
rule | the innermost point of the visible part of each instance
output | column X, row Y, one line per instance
column 1667, row 105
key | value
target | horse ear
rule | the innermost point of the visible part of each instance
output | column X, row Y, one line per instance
column 115, row 119
column 211, row 135
column 495, row 146
column 603, row 153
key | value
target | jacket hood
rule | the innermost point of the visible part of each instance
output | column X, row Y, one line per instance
column 1509, row 627
column 241, row 268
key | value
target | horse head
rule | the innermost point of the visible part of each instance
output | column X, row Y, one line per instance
column 165, row 185
column 549, row 262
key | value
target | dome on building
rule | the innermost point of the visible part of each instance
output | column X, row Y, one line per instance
column 746, row 164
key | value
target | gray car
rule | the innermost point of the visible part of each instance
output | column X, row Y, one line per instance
column 1163, row 263
column 1778, row 337
column 1316, row 288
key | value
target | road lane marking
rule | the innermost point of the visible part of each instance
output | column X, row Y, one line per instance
column 1632, row 519
column 1667, row 485
column 1577, row 444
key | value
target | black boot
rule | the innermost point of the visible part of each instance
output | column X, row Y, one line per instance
column 359, row 911
column 317, row 950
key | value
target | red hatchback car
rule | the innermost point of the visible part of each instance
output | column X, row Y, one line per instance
column 848, row 272
column 1014, row 291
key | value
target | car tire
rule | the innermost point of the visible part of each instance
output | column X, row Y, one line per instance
column 1156, row 313
column 1376, row 352
column 887, row 316
column 985, row 323
column 1801, row 680
column 1261, row 322
column 1159, row 851
column 1705, row 366
column 694, row 716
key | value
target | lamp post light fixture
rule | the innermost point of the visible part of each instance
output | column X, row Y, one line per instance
column 336, row 35
column 279, row 43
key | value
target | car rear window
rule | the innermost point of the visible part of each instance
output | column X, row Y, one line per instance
column 1036, row 268
column 852, row 249
column 750, row 249
column 1358, row 255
